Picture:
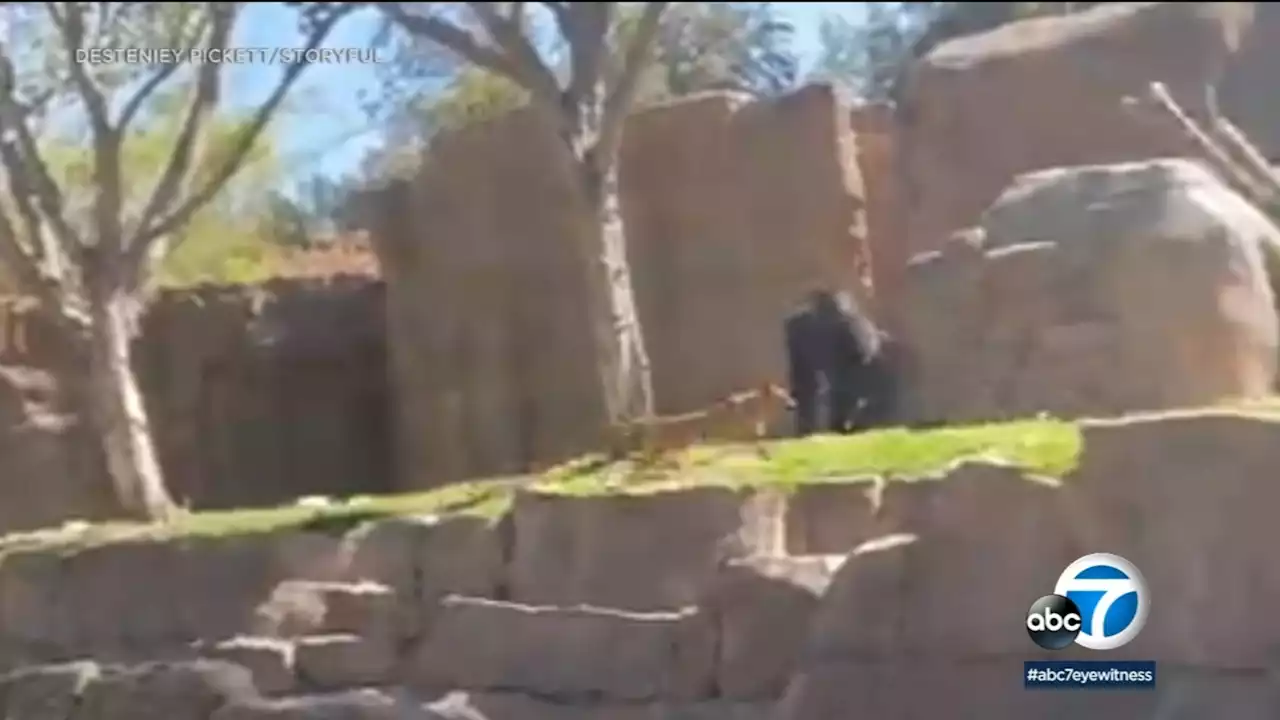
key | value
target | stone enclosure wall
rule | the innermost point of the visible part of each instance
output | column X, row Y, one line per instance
column 735, row 208
column 264, row 395
column 733, row 211
column 261, row 395
column 982, row 109
column 1028, row 323
column 258, row 395
column 888, row 599
column 875, row 145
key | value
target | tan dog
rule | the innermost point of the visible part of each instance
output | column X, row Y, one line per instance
column 741, row 417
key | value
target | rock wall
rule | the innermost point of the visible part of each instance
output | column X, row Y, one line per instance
column 257, row 395
column 260, row 395
column 1095, row 290
column 982, row 109
column 551, row 613
column 921, row 626
column 733, row 211
column 875, row 137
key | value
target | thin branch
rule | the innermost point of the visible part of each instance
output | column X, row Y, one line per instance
column 1235, row 142
column 134, row 104
column 71, row 27
column 454, row 39
column 204, row 100
column 107, row 177
column 618, row 104
column 1229, row 169
column 36, row 265
column 511, row 40
column 22, row 197
column 145, row 244
column 25, row 161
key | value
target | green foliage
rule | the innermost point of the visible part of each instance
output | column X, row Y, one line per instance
column 41, row 59
column 224, row 241
column 1045, row 447
column 708, row 46
column 318, row 208
column 473, row 95
column 865, row 58
column 701, row 46
column 1042, row 447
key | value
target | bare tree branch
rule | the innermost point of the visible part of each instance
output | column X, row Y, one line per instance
column 1231, row 171
column 455, row 39
column 71, row 27
column 586, row 28
column 38, row 266
column 509, row 35
column 24, row 162
column 1235, row 142
column 135, row 103
column 204, row 100
column 560, row 11
column 107, row 177
column 145, row 244
column 623, row 92
column 138, row 100
column 22, row 196
column 33, row 281
column 18, row 259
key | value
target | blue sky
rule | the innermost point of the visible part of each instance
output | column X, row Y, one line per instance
column 326, row 132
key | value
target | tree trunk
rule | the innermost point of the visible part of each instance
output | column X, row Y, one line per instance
column 624, row 369
column 118, row 411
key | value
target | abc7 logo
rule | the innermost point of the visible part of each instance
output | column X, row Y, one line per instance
column 1100, row 603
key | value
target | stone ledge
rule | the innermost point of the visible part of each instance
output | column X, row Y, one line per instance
column 569, row 654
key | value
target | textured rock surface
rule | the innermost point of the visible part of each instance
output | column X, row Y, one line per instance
column 733, row 209
column 982, row 109
column 1095, row 290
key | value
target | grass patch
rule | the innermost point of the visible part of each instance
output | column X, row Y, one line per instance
column 1044, row 447
column 487, row 499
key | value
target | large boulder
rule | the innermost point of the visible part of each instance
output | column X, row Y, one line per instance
column 1095, row 290
column 981, row 109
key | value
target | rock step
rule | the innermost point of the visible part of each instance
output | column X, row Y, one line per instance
column 742, row 640
column 215, row 690
column 569, row 653
column 122, row 601
column 370, row 704
column 308, row 607
column 312, row 662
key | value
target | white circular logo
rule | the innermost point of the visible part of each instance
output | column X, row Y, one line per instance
column 1112, row 597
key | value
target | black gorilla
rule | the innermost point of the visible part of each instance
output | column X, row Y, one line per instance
column 830, row 340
